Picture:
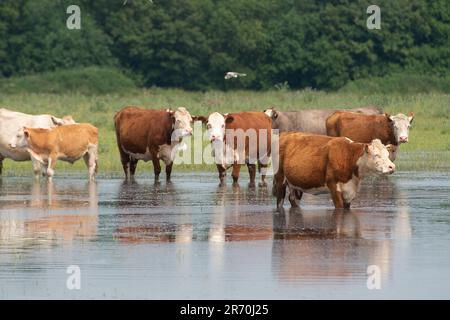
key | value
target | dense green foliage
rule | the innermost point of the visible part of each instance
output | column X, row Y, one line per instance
column 89, row 80
column 192, row 43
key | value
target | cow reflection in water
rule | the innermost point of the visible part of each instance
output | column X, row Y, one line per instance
column 142, row 209
column 328, row 244
column 305, row 243
column 48, row 213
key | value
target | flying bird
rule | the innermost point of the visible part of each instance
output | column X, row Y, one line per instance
column 230, row 75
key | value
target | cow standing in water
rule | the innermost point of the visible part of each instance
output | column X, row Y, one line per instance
column 11, row 122
column 309, row 120
column 319, row 164
column 391, row 130
column 240, row 138
column 68, row 143
column 155, row 135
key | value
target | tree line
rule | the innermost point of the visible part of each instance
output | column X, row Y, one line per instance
column 192, row 43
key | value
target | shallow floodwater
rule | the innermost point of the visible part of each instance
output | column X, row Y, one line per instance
column 193, row 239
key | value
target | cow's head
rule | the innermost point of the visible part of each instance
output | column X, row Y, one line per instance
column 181, row 123
column 20, row 140
column 401, row 124
column 377, row 158
column 271, row 113
column 65, row 120
column 216, row 125
column 392, row 151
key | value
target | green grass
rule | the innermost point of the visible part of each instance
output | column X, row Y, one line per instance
column 428, row 149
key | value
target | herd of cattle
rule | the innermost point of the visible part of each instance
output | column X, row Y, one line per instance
column 323, row 150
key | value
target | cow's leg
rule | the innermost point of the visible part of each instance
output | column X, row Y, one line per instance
column 90, row 158
column 262, row 168
column 279, row 189
column 294, row 197
column 1, row 164
column 336, row 195
column 37, row 168
column 156, row 167
column 222, row 174
column 125, row 159
column 168, row 171
column 133, row 165
column 251, row 173
column 235, row 172
column 51, row 166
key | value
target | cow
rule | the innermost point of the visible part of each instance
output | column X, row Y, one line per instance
column 155, row 135
column 320, row 164
column 244, row 138
column 391, row 130
column 67, row 143
column 11, row 122
column 311, row 120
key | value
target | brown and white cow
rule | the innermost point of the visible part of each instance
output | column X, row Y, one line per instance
column 155, row 135
column 240, row 138
column 319, row 164
column 391, row 130
column 67, row 143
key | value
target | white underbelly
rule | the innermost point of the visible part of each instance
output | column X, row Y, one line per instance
column 15, row 154
column 147, row 156
column 166, row 153
column 314, row 191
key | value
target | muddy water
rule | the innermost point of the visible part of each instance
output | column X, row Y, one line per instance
column 193, row 239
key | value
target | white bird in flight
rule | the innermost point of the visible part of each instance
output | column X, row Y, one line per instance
column 230, row 75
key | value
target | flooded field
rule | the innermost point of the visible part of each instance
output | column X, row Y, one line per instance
column 192, row 239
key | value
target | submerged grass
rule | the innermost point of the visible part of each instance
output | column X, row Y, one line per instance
column 428, row 149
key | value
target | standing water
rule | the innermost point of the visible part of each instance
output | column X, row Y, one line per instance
column 195, row 240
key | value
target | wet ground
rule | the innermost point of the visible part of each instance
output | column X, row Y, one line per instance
column 193, row 239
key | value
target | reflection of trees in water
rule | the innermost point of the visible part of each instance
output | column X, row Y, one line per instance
column 38, row 213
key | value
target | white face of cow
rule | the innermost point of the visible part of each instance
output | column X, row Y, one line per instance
column 269, row 112
column 65, row 120
column 401, row 124
column 216, row 127
column 182, row 125
column 377, row 158
column 19, row 140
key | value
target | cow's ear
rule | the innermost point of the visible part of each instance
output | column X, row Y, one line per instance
column 274, row 114
column 388, row 116
column 203, row 119
column 391, row 148
column 229, row 119
column 411, row 117
column 26, row 132
column 57, row 122
column 68, row 119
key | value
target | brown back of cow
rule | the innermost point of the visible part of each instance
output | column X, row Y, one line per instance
column 361, row 127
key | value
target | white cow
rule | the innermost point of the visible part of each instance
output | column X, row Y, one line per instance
column 12, row 122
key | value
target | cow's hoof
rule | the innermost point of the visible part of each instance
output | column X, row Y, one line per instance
column 280, row 209
column 262, row 184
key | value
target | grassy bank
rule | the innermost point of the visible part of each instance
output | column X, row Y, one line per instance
column 428, row 149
